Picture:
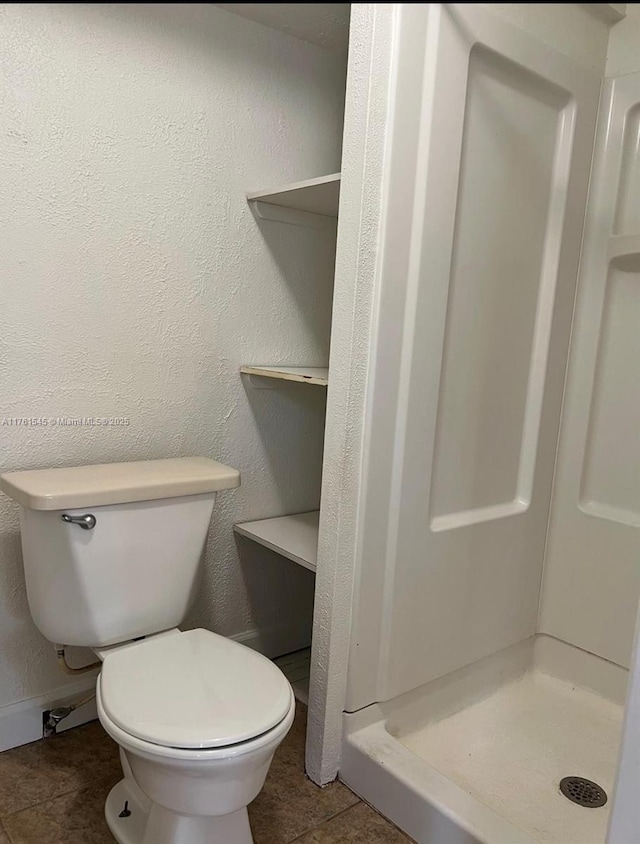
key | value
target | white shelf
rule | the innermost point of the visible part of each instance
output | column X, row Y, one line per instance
column 295, row 537
column 296, row 667
column 303, row 374
column 313, row 196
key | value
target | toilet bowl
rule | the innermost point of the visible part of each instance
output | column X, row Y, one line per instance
column 198, row 718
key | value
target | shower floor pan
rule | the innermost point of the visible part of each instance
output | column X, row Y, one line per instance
column 477, row 757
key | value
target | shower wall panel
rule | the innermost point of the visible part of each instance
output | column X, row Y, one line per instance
column 484, row 259
column 592, row 572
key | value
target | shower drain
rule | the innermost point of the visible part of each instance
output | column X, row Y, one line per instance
column 583, row 792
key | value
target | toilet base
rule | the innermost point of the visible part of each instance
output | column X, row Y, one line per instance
column 149, row 823
column 130, row 829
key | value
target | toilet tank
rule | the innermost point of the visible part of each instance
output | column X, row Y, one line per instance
column 131, row 570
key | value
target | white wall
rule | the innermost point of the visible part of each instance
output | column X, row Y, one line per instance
column 135, row 281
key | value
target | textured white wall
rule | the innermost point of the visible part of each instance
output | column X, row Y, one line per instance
column 363, row 184
column 135, row 281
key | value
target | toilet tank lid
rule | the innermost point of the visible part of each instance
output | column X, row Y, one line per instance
column 117, row 483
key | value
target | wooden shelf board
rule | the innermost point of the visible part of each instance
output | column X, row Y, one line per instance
column 304, row 374
column 294, row 537
column 315, row 196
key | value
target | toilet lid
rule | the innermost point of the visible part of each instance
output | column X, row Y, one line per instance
column 193, row 690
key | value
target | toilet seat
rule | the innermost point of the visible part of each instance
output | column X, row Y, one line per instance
column 192, row 691
column 180, row 755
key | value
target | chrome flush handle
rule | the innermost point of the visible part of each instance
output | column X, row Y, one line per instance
column 86, row 522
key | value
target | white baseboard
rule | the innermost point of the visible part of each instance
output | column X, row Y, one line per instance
column 21, row 723
column 276, row 641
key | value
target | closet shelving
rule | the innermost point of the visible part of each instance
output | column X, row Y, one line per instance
column 312, row 196
column 304, row 374
column 313, row 202
column 294, row 537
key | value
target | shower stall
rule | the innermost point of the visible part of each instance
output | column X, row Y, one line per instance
column 475, row 646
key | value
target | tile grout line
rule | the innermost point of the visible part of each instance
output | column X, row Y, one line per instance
column 322, row 823
column 395, row 826
column 64, row 792
column 391, row 823
column 6, row 832
column 8, row 815
column 53, row 797
column 344, row 811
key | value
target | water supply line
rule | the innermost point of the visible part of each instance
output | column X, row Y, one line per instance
column 62, row 662
column 54, row 716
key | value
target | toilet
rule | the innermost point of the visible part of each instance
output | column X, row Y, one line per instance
column 112, row 555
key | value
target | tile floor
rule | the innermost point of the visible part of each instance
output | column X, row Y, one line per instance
column 53, row 792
